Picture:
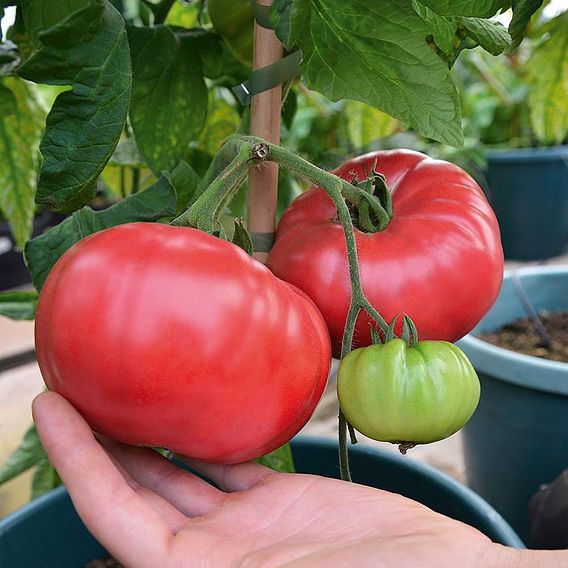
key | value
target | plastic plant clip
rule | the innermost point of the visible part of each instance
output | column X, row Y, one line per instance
column 268, row 77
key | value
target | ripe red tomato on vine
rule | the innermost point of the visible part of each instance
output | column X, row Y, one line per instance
column 439, row 259
column 167, row 336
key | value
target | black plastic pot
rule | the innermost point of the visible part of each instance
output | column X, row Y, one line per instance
column 48, row 532
column 528, row 190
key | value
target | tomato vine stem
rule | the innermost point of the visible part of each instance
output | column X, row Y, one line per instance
column 243, row 152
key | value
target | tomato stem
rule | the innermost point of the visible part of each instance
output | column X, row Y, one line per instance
column 249, row 151
column 204, row 213
column 343, row 452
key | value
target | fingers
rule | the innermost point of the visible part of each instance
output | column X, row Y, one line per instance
column 189, row 494
column 116, row 515
column 174, row 518
column 238, row 477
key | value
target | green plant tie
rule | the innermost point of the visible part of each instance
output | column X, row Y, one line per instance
column 268, row 77
column 261, row 14
column 263, row 242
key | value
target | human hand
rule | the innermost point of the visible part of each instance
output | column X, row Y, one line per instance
column 149, row 513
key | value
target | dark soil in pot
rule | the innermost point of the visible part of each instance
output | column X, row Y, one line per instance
column 522, row 336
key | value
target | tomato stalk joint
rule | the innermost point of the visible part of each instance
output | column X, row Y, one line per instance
column 370, row 202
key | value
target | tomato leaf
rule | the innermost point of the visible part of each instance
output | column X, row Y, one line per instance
column 405, row 77
column 523, row 10
column 222, row 121
column 45, row 478
column 491, row 36
column 21, row 123
column 366, row 124
column 169, row 96
column 18, row 34
column 185, row 181
column 548, row 80
column 522, row 13
column 18, row 305
column 280, row 460
column 451, row 34
column 217, row 60
column 41, row 15
column 26, row 455
column 151, row 204
column 87, row 50
column 476, row 8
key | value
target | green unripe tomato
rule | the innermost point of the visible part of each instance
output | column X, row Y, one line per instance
column 407, row 395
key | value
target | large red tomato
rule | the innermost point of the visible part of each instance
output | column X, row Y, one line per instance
column 166, row 336
column 439, row 260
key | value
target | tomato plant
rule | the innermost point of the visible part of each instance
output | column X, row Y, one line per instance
column 166, row 336
column 407, row 395
column 141, row 97
column 439, row 258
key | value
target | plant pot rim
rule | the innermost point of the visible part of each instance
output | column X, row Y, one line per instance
column 537, row 154
column 517, row 368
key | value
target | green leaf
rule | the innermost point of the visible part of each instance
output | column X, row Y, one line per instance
column 26, row 455
column 222, row 121
column 89, row 51
column 289, row 109
column 374, row 53
column 18, row 34
column 279, row 460
column 18, row 305
column 476, row 8
column 491, row 36
column 8, row 101
column 241, row 237
column 366, row 124
column 548, row 82
column 443, row 32
column 185, row 181
column 40, row 15
column 452, row 34
column 184, row 15
column 43, row 252
column 523, row 10
column 45, row 479
column 169, row 96
column 21, row 124
column 217, row 60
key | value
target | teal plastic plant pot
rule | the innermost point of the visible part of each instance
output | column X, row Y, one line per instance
column 518, row 437
column 528, row 190
column 48, row 532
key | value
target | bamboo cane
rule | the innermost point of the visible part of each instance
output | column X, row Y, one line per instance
column 265, row 123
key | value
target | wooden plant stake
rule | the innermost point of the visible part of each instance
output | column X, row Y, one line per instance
column 265, row 123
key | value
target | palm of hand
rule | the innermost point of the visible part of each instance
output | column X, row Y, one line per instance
column 304, row 520
column 150, row 513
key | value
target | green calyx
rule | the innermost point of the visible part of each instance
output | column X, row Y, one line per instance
column 370, row 202
column 409, row 332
